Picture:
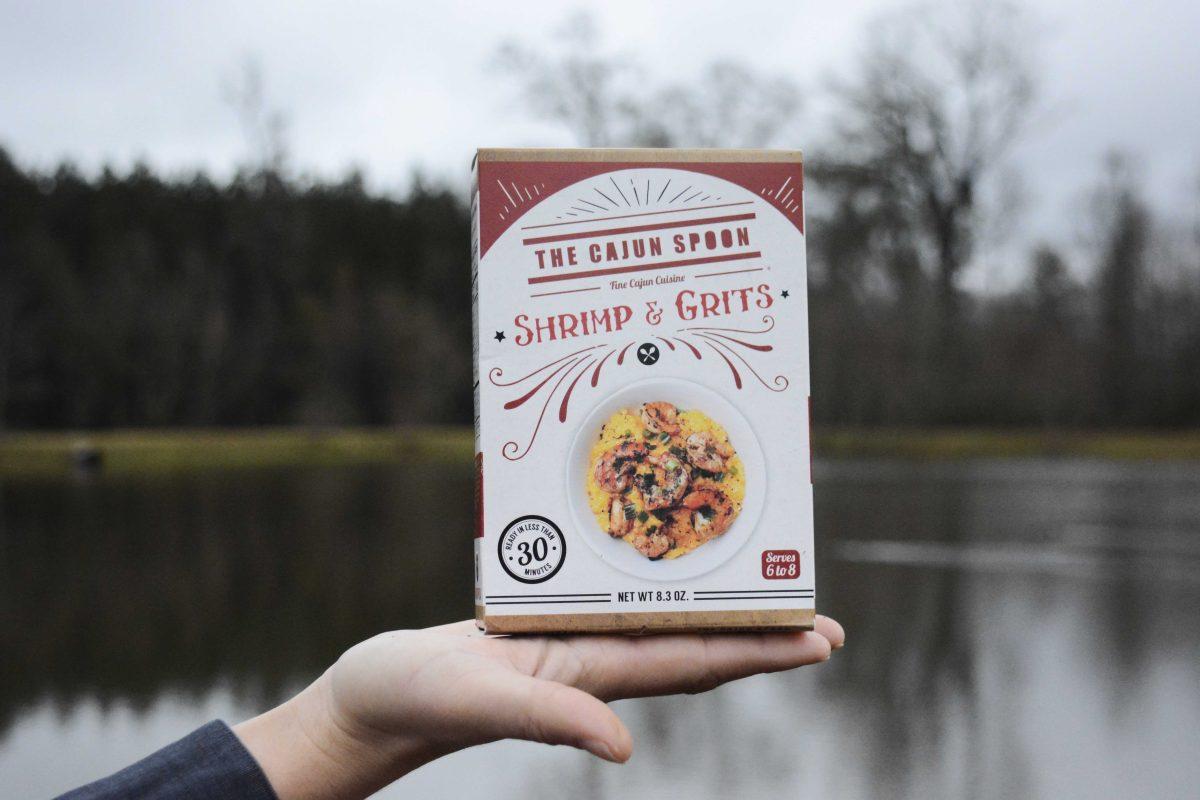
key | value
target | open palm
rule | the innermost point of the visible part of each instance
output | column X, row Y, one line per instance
column 456, row 688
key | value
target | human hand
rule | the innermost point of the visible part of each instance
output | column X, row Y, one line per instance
column 404, row 698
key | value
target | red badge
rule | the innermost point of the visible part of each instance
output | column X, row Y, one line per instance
column 778, row 565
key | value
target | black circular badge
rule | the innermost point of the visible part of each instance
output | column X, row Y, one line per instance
column 648, row 353
column 532, row 549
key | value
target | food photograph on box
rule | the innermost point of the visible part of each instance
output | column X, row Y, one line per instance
column 642, row 454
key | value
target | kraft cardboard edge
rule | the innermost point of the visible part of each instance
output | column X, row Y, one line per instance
column 791, row 619
column 638, row 155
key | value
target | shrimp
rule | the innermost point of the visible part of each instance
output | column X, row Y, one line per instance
column 678, row 525
column 707, row 452
column 712, row 510
column 668, row 482
column 653, row 544
column 660, row 417
column 614, row 468
column 619, row 520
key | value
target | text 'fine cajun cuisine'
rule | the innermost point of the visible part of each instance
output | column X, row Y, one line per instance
column 665, row 480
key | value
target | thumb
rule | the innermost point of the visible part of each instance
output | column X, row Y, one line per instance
column 552, row 713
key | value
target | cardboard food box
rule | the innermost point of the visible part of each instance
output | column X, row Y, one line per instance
column 642, row 391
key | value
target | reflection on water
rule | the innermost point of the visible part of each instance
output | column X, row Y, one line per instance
column 1016, row 629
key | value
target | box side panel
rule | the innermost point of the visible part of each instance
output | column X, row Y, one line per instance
column 478, row 533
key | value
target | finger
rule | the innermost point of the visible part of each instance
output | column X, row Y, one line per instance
column 672, row 664
column 831, row 630
column 521, row 707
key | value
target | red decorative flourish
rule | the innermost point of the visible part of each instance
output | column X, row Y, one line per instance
column 596, row 374
column 718, row 340
column 496, row 372
column 778, row 383
column 737, row 379
column 691, row 347
column 510, row 448
column 511, row 404
column 562, row 409
column 762, row 348
column 767, row 319
column 568, row 370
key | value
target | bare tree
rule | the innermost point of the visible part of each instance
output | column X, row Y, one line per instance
column 1120, row 237
column 606, row 99
column 730, row 105
column 941, row 94
column 264, row 127
column 578, row 86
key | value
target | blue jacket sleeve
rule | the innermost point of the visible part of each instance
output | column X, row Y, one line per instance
column 208, row 763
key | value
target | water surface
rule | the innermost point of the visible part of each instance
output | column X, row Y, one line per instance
column 1015, row 629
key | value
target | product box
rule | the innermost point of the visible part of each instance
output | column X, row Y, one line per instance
column 642, row 449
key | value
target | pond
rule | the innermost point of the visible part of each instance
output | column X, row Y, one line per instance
column 1016, row 628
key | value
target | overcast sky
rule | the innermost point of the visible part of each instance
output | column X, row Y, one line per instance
column 390, row 86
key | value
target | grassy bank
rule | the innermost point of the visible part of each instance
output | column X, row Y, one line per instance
column 970, row 443
column 141, row 452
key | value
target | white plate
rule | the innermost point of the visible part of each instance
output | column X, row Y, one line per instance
column 708, row 556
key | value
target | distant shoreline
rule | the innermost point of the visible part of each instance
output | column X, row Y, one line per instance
column 140, row 452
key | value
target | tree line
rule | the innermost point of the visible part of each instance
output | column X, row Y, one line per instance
column 135, row 300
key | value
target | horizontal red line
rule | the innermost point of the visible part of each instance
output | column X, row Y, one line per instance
column 686, row 262
column 630, row 216
column 567, row 291
column 730, row 272
column 653, row 226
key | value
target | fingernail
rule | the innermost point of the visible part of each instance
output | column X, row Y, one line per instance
column 840, row 645
column 601, row 749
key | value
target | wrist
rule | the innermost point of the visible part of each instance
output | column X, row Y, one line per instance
column 310, row 751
